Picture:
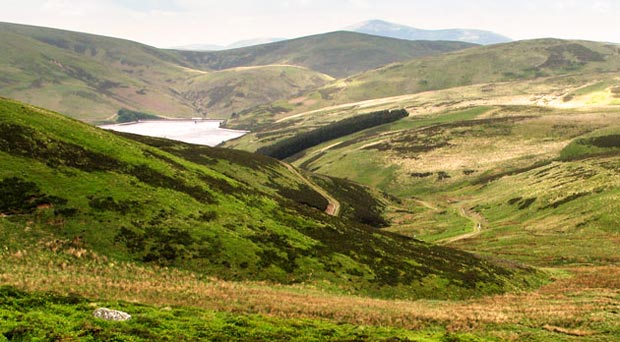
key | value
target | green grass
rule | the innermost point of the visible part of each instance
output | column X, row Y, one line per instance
column 76, row 252
column 363, row 167
column 33, row 316
column 497, row 63
column 90, row 77
column 221, row 212
column 572, row 201
column 354, row 159
column 450, row 224
column 495, row 160
column 242, row 244
column 440, row 118
column 576, row 296
column 601, row 142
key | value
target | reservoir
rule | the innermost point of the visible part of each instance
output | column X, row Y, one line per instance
column 193, row 131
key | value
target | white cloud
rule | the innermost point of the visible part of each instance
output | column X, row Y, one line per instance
column 566, row 5
column 360, row 3
column 150, row 5
column 63, row 8
column 177, row 22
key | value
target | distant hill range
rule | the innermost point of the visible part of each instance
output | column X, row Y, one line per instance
column 377, row 28
column 91, row 77
column 516, row 61
column 235, row 45
column 387, row 29
column 338, row 54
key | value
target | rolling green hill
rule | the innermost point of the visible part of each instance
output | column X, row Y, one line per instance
column 222, row 213
column 488, row 66
column 91, row 77
column 223, row 93
column 338, row 54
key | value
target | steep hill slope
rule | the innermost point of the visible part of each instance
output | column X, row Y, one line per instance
column 91, row 77
column 338, row 54
column 222, row 213
column 387, row 29
column 536, row 184
column 511, row 62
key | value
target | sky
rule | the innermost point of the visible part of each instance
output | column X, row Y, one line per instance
column 169, row 23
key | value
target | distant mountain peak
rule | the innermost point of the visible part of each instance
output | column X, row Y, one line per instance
column 384, row 28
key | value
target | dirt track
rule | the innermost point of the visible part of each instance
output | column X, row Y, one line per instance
column 333, row 206
column 479, row 222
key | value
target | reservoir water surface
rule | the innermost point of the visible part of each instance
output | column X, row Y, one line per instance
column 193, row 131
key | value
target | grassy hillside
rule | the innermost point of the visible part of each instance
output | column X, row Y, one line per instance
column 497, row 63
column 561, row 213
column 600, row 143
column 224, row 93
column 190, row 309
column 573, row 92
column 572, row 199
column 527, row 175
column 488, row 66
column 91, row 77
column 338, row 54
column 468, row 163
column 222, row 213
column 208, row 243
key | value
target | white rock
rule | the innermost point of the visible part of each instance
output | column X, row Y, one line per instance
column 111, row 315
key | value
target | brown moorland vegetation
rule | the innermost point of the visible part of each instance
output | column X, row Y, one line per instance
column 581, row 301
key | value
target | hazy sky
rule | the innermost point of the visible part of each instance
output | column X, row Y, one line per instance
column 166, row 23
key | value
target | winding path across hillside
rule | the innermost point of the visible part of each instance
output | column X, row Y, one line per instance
column 478, row 223
column 333, row 206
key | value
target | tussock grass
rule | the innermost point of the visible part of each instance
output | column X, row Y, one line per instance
column 581, row 303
